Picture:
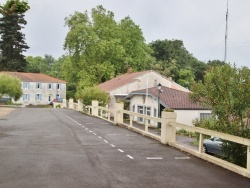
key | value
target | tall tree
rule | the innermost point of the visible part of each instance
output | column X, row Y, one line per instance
column 100, row 48
column 12, row 42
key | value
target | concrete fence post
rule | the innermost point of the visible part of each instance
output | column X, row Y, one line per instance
column 95, row 105
column 80, row 106
column 118, row 117
column 64, row 103
column 71, row 103
column 168, row 132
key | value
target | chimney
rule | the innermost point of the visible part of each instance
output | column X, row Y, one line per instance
column 130, row 70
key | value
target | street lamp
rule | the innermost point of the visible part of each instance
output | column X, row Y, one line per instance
column 159, row 108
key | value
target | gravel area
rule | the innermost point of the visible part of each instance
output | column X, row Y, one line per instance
column 4, row 111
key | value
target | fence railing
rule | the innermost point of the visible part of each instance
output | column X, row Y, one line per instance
column 167, row 134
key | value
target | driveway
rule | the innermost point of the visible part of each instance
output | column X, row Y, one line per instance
column 63, row 148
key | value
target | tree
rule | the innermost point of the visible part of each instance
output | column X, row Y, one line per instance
column 216, row 63
column 93, row 93
column 12, row 42
column 172, row 56
column 10, row 86
column 100, row 48
column 226, row 91
column 14, row 6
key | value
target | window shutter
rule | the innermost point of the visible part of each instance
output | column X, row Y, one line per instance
column 47, row 86
column 28, row 97
column 23, row 98
column 41, row 86
column 36, row 85
column 40, row 97
column 28, row 85
column 36, row 97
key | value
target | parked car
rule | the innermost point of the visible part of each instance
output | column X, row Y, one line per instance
column 213, row 146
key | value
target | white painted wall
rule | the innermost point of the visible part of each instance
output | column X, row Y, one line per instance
column 187, row 116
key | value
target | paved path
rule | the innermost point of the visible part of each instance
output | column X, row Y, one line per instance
column 62, row 148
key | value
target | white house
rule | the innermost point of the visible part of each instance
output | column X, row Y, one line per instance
column 152, row 101
column 39, row 88
column 120, row 86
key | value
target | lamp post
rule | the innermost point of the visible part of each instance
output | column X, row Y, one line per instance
column 159, row 107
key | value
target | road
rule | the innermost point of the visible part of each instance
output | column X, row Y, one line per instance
column 63, row 148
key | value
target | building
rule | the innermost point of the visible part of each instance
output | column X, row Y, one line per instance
column 119, row 87
column 39, row 88
column 153, row 100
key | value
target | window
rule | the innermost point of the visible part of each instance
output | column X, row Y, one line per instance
column 38, row 85
column 140, row 110
column 38, row 97
column 58, row 86
column 49, row 86
column 26, row 97
column 133, row 108
column 205, row 115
column 26, row 85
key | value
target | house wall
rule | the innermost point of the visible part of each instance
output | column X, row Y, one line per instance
column 187, row 116
column 30, row 92
column 183, row 116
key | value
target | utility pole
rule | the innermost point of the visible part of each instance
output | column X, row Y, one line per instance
column 226, row 35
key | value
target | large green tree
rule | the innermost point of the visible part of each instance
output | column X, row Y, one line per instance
column 172, row 56
column 100, row 48
column 10, row 86
column 12, row 41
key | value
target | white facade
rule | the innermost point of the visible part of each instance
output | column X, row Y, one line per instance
column 42, row 93
column 149, row 106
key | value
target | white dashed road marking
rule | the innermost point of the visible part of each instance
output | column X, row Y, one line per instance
column 182, row 157
column 106, row 141
column 120, row 150
column 89, row 123
column 130, row 157
column 154, row 158
column 112, row 145
column 99, row 137
column 94, row 134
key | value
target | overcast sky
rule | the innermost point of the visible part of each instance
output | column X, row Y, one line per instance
column 200, row 24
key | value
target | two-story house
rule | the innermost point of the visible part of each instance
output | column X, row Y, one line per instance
column 39, row 88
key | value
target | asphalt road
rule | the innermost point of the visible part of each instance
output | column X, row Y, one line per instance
column 60, row 148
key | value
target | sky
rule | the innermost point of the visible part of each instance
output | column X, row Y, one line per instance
column 200, row 24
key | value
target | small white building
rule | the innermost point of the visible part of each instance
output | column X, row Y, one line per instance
column 152, row 101
column 119, row 87
column 39, row 88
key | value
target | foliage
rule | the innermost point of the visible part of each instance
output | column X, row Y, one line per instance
column 168, row 110
column 14, row 7
column 12, row 42
column 214, row 63
column 93, row 93
column 100, row 48
column 226, row 91
column 10, row 86
column 172, row 59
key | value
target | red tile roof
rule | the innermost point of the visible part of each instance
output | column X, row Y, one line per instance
column 120, row 81
column 170, row 98
column 34, row 77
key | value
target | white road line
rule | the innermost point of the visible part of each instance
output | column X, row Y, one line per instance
column 90, row 131
column 89, row 123
column 86, row 128
column 111, row 134
column 79, row 124
column 130, row 157
column 120, row 150
column 82, row 126
column 154, row 158
column 130, row 135
column 94, row 134
column 182, row 157
column 104, row 123
column 112, row 145
column 99, row 137
column 106, row 141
